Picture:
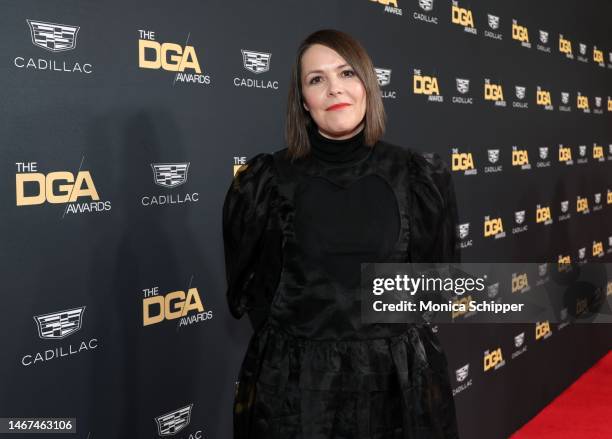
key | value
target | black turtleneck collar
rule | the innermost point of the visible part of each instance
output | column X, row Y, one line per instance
column 337, row 152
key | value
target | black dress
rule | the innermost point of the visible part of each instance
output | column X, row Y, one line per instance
column 294, row 235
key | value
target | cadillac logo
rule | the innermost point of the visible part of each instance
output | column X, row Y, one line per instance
column 519, row 340
column 59, row 324
column 463, row 85
column 462, row 373
column 383, row 76
column 493, row 21
column 542, row 269
column 426, row 5
column 173, row 422
column 170, row 175
column 463, row 230
column 52, row 36
column 493, row 155
column 493, row 289
column 519, row 216
column 256, row 62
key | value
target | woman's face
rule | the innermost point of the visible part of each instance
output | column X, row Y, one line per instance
column 332, row 93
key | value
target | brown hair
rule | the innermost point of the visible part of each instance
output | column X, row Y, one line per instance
column 298, row 119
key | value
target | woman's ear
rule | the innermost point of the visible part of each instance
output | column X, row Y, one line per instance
column 305, row 106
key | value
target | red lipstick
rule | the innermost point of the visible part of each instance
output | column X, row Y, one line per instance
column 337, row 106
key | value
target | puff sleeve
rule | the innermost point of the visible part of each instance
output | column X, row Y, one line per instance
column 251, row 248
column 434, row 211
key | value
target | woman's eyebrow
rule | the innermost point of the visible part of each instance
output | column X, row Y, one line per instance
column 321, row 71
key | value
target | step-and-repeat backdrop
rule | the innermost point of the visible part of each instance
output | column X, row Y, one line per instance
column 122, row 124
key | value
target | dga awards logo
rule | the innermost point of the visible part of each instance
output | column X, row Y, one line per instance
column 598, row 57
column 256, row 63
column 463, row 379
column 427, row 86
column 564, row 263
column 239, row 162
column 582, row 205
column 598, row 250
column 463, row 17
column 494, row 93
column 520, row 283
column 542, row 330
column 543, row 215
column 170, row 57
column 565, row 155
column 187, row 307
column 76, row 191
column 425, row 12
column 543, row 99
column 565, row 47
column 170, row 176
column 520, row 346
column 520, row 158
column 543, row 157
column 520, row 92
column 521, row 34
column 59, row 325
column 463, row 235
column 462, row 162
column 493, row 159
column 54, row 38
column 493, row 21
column 519, row 221
column 493, row 227
column 493, row 359
column 384, row 79
column 391, row 6
column 582, row 103
column 565, row 102
column 463, row 90
column 543, row 44
column 176, row 421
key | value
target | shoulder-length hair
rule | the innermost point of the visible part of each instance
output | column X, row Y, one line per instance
column 298, row 119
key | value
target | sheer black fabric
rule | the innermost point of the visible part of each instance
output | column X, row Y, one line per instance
column 312, row 368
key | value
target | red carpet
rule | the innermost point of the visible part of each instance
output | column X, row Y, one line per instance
column 584, row 410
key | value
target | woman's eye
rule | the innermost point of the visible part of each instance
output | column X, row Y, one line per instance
column 348, row 73
column 314, row 80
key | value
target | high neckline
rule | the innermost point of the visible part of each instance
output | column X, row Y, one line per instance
column 337, row 152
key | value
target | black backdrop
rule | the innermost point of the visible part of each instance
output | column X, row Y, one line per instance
column 83, row 100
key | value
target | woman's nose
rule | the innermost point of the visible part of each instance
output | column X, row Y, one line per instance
column 334, row 87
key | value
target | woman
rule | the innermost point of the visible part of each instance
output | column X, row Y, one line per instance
column 297, row 224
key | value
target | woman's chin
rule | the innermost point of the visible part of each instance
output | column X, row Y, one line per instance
column 340, row 131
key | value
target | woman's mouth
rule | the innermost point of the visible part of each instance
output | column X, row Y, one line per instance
column 337, row 107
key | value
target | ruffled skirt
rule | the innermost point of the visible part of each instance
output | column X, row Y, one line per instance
column 384, row 388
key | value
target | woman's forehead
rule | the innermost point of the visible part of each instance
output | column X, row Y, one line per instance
column 319, row 57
